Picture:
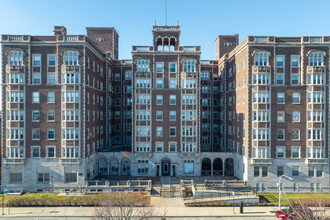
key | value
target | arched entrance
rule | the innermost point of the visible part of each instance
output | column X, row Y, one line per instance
column 125, row 168
column 217, row 167
column 229, row 167
column 206, row 167
column 114, row 167
column 103, row 166
column 166, row 167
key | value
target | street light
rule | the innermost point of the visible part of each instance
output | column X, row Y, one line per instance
column 280, row 190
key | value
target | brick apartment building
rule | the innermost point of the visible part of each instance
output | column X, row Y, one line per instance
column 72, row 110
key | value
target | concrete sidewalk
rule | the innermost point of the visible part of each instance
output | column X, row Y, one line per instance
column 171, row 207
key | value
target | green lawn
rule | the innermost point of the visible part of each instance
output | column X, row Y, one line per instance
column 272, row 198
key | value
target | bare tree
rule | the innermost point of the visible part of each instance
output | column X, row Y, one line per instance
column 125, row 206
column 310, row 209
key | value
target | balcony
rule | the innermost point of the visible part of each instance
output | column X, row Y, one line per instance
column 72, row 161
column 142, row 49
column 261, row 161
column 260, row 69
column 70, row 69
column 316, row 161
column 189, row 48
column 15, row 69
column 14, row 161
column 315, row 69
column 16, row 38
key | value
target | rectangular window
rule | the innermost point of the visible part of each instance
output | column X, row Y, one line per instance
column 36, row 78
column 295, row 134
column 159, row 116
column 51, row 97
column 51, row 152
column 188, row 167
column 280, row 134
column 159, row 83
column 294, row 79
column 311, row 171
column 51, row 78
column 35, row 151
column 279, row 79
column 43, row 177
column 142, row 66
column 159, row 67
column 35, row 134
column 172, row 131
column 15, row 177
column 319, row 171
column 35, row 115
column 280, row 98
column 159, row 131
column 172, row 83
column 159, row 99
column 35, row 97
column 295, row 152
column 51, row 134
column 280, row 152
column 280, row 170
column 172, row 146
column 256, row 171
column 70, row 177
column 172, row 67
column 172, row 115
column 51, row 60
column 295, row 116
column 294, row 61
column 172, row 99
column 264, row 171
column 71, row 58
column 159, row 146
column 280, row 61
column 36, row 60
column 295, row 98
column 295, row 170
column 280, row 116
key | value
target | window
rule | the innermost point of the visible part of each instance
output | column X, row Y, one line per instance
column 142, row 83
column 159, row 83
column 188, row 166
column 70, row 152
column 295, row 134
column 172, row 99
column 295, row 116
column 295, row 98
column 16, row 58
column 15, row 177
column 188, row 131
column 51, row 134
column 315, row 58
column 294, row 79
column 188, row 147
column 35, row 115
column 159, row 146
column 142, row 115
column 36, row 60
column 142, row 66
column 315, row 97
column 280, row 116
column 51, row 97
column 261, row 58
column 280, row 170
column 279, row 79
column 72, row 133
column 261, row 97
column 142, row 131
column 117, row 114
column 261, row 134
column 16, row 78
column 15, row 115
column 172, row 131
column 43, row 177
column 172, row 83
column 159, row 132
column 172, row 115
column 315, row 115
column 50, row 152
column 159, row 99
column 280, row 98
column 261, row 115
column 260, row 152
column 51, row 60
column 264, row 171
column 71, row 78
column 51, row 78
column 188, row 83
column 71, row 58
column 35, row 97
column 159, row 67
column 70, row 177
column 128, row 75
column 261, row 79
column 316, row 79
column 315, row 152
column 172, row 67
column 295, row 152
column 35, row 151
column 117, row 76
column 143, row 166
column 142, row 147
column 280, row 134
column 36, row 78
column 172, row 146
column 280, row 61
column 280, row 152
column 319, row 171
column 295, row 170
column 256, row 171
column 315, row 134
column 311, row 171
column 159, row 116
column 294, row 61
column 189, row 66
column 35, row 134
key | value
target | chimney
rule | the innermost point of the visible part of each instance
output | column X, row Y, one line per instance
column 59, row 30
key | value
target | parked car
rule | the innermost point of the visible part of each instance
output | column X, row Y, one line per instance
column 298, row 212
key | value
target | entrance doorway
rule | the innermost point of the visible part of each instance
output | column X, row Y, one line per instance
column 166, row 167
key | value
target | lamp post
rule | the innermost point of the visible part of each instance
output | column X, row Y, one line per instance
column 280, row 189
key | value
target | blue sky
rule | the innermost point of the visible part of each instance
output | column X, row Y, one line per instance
column 201, row 21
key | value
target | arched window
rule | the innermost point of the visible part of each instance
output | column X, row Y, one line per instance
column 189, row 66
column 15, row 58
column 71, row 58
column 261, row 58
column 316, row 58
